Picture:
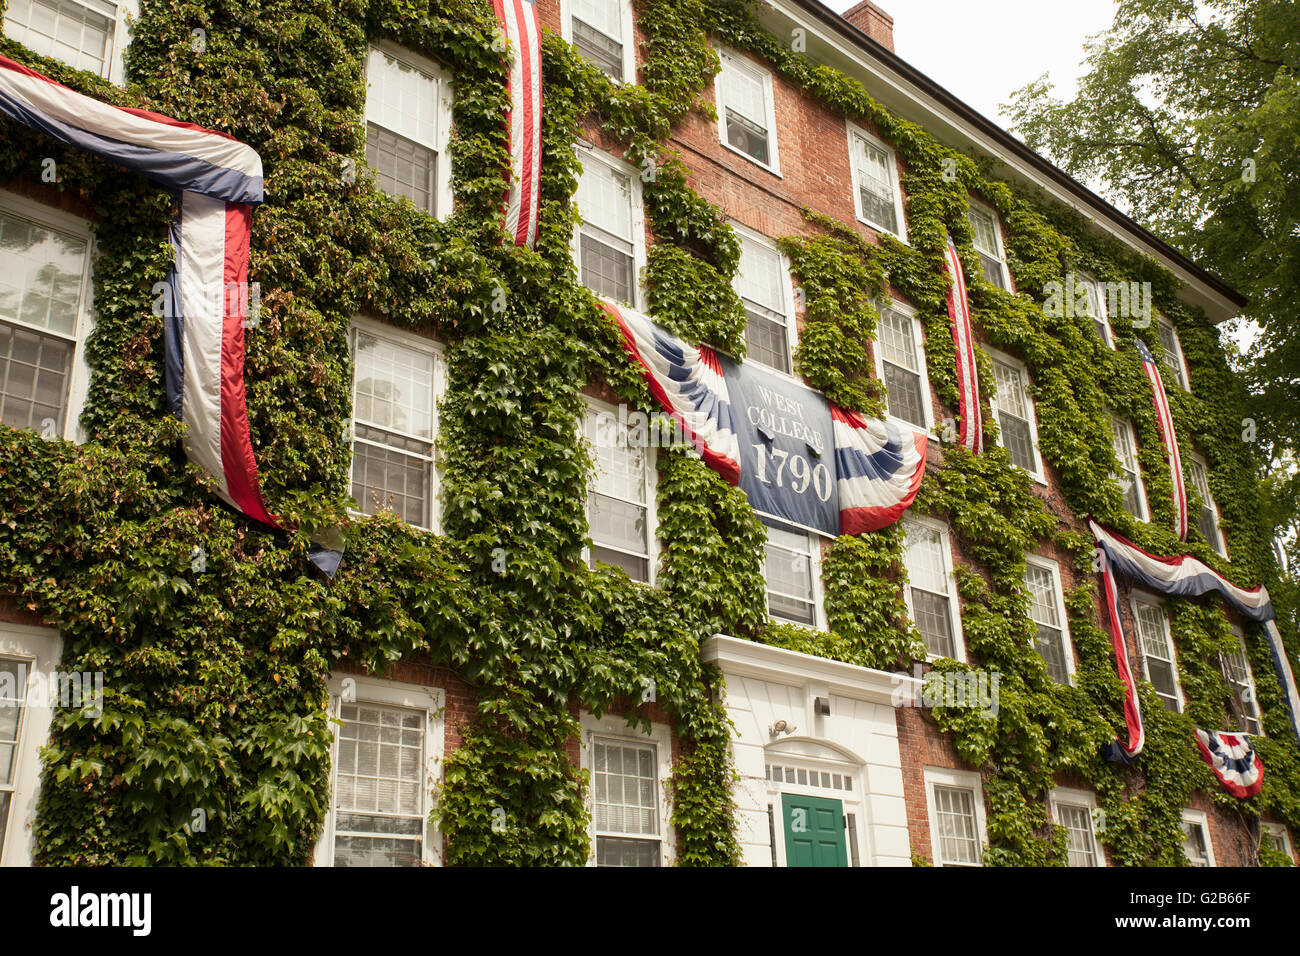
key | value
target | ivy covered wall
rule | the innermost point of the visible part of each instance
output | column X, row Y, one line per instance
column 215, row 680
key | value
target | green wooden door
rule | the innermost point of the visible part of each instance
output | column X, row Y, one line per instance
column 814, row 831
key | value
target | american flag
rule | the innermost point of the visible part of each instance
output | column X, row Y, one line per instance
column 518, row 18
column 1166, row 422
column 972, row 421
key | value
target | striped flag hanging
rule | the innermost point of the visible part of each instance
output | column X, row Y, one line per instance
column 879, row 468
column 972, row 419
column 689, row 384
column 1183, row 576
column 1233, row 761
column 518, row 18
column 1166, row 422
column 218, row 180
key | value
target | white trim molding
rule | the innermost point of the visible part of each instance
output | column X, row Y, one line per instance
column 614, row 729
column 958, row 780
column 39, row 648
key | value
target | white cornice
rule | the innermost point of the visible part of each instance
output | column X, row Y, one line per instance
column 739, row 658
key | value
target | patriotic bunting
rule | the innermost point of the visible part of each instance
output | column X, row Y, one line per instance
column 1166, row 422
column 518, row 19
column 972, row 419
column 1182, row 576
column 877, row 466
column 688, row 383
column 879, row 469
column 218, row 180
column 1233, row 761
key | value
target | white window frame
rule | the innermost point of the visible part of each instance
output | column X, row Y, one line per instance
column 957, row 779
column 1184, row 379
column 443, row 196
column 814, row 571
column 372, row 690
column 1091, row 282
column 1207, row 496
column 733, row 60
column 587, row 153
column 1251, row 695
column 410, row 340
column 629, row 35
column 40, row 649
column 954, row 598
column 1199, row 818
column 1038, row 473
column 787, row 296
column 1144, row 599
column 1085, row 800
column 1058, row 596
column 1144, row 507
column 79, row 374
column 918, row 343
column 615, row 730
column 855, row 131
column 1001, row 254
column 651, row 479
column 1278, row 829
column 123, row 13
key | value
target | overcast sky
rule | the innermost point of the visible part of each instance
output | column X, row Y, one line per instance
column 982, row 51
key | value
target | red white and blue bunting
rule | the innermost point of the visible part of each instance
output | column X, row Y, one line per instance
column 971, row 434
column 1167, row 433
column 1233, row 761
column 1182, row 576
column 518, row 19
column 218, row 180
column 875, row 471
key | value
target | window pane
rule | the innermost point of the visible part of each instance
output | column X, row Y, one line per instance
column 1171, row 354
column 766, row 341
column 41, row 275
column 1016, row 438
column 747, row 136
column 934, row 621
column 1043, row 607
column 11, row 716
column 617, row 524
column 1050, row 644
column 761, row 279
column 599, row 49
column 984, row 227
column 903, row 395
column 605, row 199
column 1078, row 826
column 402, row 167
column 402, row 99
column 925, row 560
column 379, row 786
column 606, row 269
column 897, row 340
column 955, row 823
column 876, row 184
column 35, row 372
column 744, row 94
column 62, row 29
column 626, row 788
column 604, row 15
column 788, row 572
column 614, row 851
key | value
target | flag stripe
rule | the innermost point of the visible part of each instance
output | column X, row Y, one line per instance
column 1132, row 705
column 202, row 272
column 971, row 434
column 518, row 19
column 879, row 468
column 1234, row 762
column 1165, row 419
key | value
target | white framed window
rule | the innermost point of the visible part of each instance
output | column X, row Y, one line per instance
column 1235, row 666
column 408, row 124
column 609, row 247
column 931, row 588
column 1124, row 443
column 631, row 823
column 900, row 363
column 85, row 34
column 763, row 284
column 46, row 313
column 1047, row 611
column 621, row 500
column 386, row 764
column 1158, row 660
column 792, row 570
column 747, row 110
column 1275, row 835
column 1208, row 519
column 602, row 32
column 988, row 243
column 956, row 802
column 877, row 195
column 1017, row 423
column 1097, row 308
column 398, row 377
column 1171, row 351
column 28, row 657
column 1197, row 846
column 1075, row 810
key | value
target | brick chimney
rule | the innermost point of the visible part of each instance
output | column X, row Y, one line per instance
column 872, row 21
